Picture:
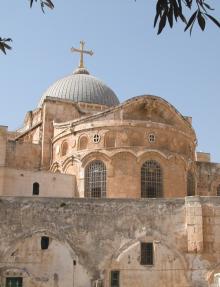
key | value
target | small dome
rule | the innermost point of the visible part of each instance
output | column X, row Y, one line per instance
column 82, row 87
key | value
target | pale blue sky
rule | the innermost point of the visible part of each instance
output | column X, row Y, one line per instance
column 129, row 57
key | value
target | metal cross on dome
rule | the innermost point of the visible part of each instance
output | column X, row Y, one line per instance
column 82, row 51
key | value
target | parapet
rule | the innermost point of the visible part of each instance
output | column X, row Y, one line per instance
column 203, row 156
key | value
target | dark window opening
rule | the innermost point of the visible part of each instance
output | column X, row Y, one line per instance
column 151, row 180
column 218, row 190
column 36, row 188
column 14, row 282
column 44, row 242
column 115, row 276
column 147, row 253
column 190, row 184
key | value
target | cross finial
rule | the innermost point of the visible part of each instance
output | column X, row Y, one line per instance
column 81, row 51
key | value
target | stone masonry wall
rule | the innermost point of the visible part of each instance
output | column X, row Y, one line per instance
column 18, row 182
column 105, row 234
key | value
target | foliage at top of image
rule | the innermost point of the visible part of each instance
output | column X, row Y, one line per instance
column 167, row 11
column 43, row 3
column 4, row 44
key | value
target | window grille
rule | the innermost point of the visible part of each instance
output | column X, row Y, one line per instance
column 190, row 184
column 95, row 179
column 151, row 180
column 36, row 188
column 147, row 253
column 96, row 138
column 115, row 278
column 14, row 282
column 151, row 138
column 218, row 190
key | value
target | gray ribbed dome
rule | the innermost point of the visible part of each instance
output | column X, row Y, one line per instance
column 82, row 87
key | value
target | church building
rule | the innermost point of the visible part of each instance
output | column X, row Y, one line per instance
column 98, row 193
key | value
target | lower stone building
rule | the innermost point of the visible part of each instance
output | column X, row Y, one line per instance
column 98, row 193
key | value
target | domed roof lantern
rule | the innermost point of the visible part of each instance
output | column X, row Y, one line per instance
column 80, row 86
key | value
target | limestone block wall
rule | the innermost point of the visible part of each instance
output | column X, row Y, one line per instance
column 53, row 110
column 203, row 157
column 23, row 155
column 208, row 178
column 52, row 267
column 20, row 183
column 194, row 221
column 3, row 143
column 105, row 234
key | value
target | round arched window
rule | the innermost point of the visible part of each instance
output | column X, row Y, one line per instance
column 83, row 142
column 95, row 179
column 64, row 148
column 151, row 179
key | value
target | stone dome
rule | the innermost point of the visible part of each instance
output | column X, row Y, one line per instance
column 81, row 87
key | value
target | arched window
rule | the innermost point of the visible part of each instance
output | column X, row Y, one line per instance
column 83, row 143
column 36, row 188
column 218, row 190
column 64, row 148
column 95, row 179
column 190, row 184
column 151, row 179
column 110, row 139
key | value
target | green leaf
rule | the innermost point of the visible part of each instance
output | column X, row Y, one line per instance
column 191, row 20
column 183, row 18
column 50, row 3
column 7, row 46
column 162, row 23
column 176, row 10
column 2, row 48
column 201, row 21
column 155, row 19
column 208, row 6
column 213, row 20
column 189, row 3
column 170, row 17
column 4, row 45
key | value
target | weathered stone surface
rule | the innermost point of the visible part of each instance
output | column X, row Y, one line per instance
column 89, row 238
column 103, row 235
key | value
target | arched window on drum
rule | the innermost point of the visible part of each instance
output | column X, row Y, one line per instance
column 95, row 179
column 151, row 180
column 190, row 184
column 218, row 190
column 64, row 148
